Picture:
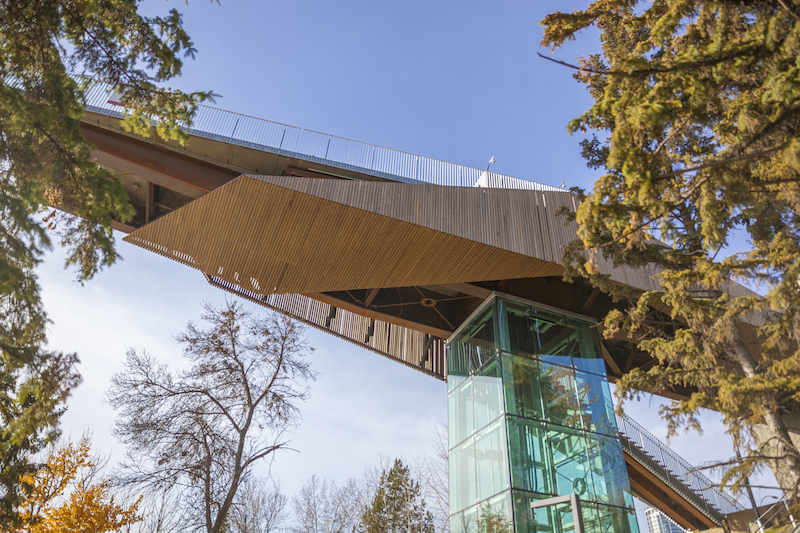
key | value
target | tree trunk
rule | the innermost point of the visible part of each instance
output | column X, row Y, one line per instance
column 773, row 437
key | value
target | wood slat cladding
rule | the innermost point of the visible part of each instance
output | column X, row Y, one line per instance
column 290, row 241
column 288, row 234
column 398, row 343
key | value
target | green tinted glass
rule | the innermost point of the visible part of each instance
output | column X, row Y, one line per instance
column 559, row 396
column 609, row 473
column 487, row 393
column 494, row 515
column 594, row 403
column 462, row 476
column 531, row 467
column 491, row 460
column 461, row 421
column 521, row 382
column 568, row 451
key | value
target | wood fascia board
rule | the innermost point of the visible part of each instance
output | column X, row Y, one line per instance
column 150, row 176
column 111, row 126
column 369, row 313
column 124, row 228
column 678, row 513
column 195, row 176
column 656, row 482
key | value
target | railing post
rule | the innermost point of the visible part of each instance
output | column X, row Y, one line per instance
column 791, row 518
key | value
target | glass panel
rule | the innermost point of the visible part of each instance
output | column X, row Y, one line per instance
column 460, row 416
column 552, row 336
column 609, row 473
column 457, row 523
column 495, row 515
column 517, row 329
column 492, row 460
column 595, row 366
column 551, row 519
column 523, row 516
column 462, row 476
column 470, row 520
column 594, row 397
column 487, row 389
column 616, row 520
column 453, row 380
column 585, row 346
column 480, row 333
column 590, row 518
column 560, row 396
column 633, row 524
column 570, row 460
column 531, row 469
column 521, row 380
column 465, row 522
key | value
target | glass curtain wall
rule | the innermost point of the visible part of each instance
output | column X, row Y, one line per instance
column 530, row 418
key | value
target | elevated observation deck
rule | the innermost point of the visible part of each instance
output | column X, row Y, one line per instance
column 398, row 317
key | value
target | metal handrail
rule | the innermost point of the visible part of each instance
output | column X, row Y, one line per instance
column 762, row 522
column 674, row 470
column 322, row 148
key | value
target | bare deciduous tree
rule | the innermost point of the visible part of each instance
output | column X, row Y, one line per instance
column 200, row 431
column 259, row 508
column 433, row 475
column 323, row 507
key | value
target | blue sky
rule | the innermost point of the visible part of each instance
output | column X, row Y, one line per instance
column 456, row 81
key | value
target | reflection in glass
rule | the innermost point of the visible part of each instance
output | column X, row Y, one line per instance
column 616, row 519
column 462, row 476
column 492, row 460
column 521, row 380
column 460, row 413
column 594, row 399
column 555, row 338
column 487, row 388
column 474, row 345
column 585, row 346
column 571, row 462
column 495, row 516
column 609, row 473
column 559, row 396
column 531, row 467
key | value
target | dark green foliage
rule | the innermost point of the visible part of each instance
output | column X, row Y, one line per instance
column 697, row 109
column 44, row 161
column 397, row 506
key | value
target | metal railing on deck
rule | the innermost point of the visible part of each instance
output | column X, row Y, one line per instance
column 675, row 471
column 324, row 149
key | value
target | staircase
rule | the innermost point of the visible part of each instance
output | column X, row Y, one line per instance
column 675, row 473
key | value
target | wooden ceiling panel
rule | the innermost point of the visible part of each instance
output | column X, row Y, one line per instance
column 258, row 233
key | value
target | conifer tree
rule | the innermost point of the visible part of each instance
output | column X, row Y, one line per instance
column 697, row 119
column 397, row 506
column 45, row 161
